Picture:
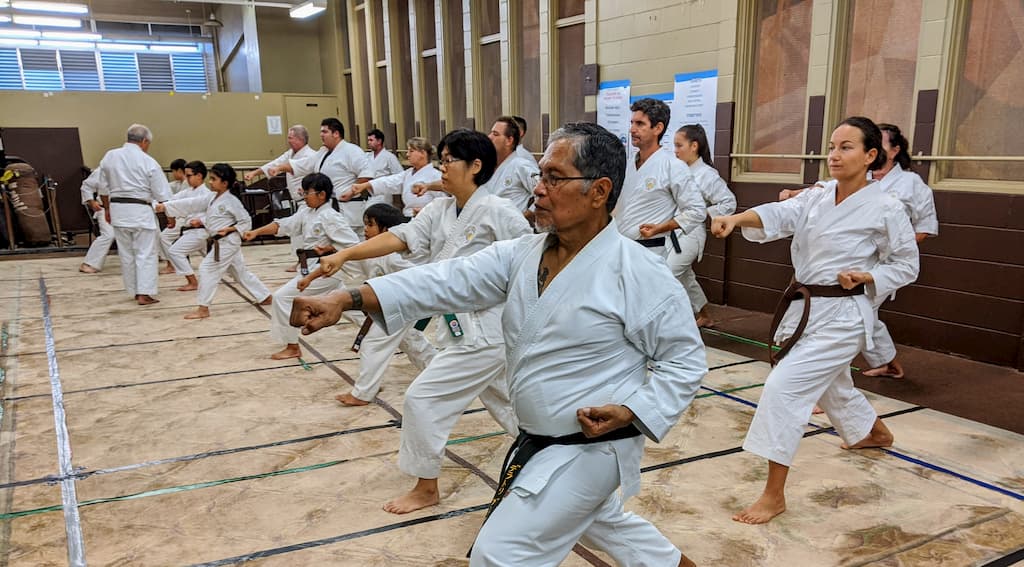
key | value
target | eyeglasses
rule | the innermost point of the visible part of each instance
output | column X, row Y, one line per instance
column 446, row 161
column 553, row 181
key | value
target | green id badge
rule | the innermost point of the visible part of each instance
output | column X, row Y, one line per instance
column 453, row 324
column 421, row 324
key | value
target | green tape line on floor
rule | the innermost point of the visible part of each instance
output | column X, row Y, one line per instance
column 474, row 438
column 751, row 342
column 305, row 365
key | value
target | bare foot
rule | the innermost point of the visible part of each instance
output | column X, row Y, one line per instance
column 817, row 410
column 146, row 300
column 168, row 269
column 350, row 400
column 189, row 287
column 286, row 353
column 874, row 440
column 703, row 321
column 412, row 501
column 892, row 370
column 292, row 268
column 685, row 561
column 199, row 313
column 87, row 269
column 268, row 300
column 766, row 508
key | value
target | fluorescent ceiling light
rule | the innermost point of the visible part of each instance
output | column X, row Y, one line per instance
column 67, row 44
column 47, row 21
column 4, row 19
column 122, row 47
column 15, row 32
column 58, row 7
column 164, row 48
column 74, row 36
column 19, row 42
column 307, row 9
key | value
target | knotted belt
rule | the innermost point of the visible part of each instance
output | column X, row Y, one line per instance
column 213, row 242
column 527, row 445
column 660, row 241
column 131, row 200
column 304, row 255
column 806, row 291
column 190, row 227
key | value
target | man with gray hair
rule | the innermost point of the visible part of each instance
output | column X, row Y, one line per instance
column 594, row 364
column 130, row 180
column 298, row 149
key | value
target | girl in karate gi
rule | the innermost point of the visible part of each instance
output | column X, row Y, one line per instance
column 225, row 220
column 377, row 348
column 852, row 243
column 471, row 358
column 691, row 143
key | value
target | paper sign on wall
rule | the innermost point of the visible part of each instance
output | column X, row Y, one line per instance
column 274, row 125
column 613, row 109
column 694, row 102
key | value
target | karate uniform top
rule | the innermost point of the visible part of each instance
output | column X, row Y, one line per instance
column 343, row 165
column 916, row 197
column 322, row 226
column 91, row 186
column 439, row 232
column 868, row 232
column 190, row 193
column 384, row 163
column 512, row 180
column 293, row 179
column 221, row 211
column 177, row 186
column 718, row 198
column 129, row 172
column 661, row 189
column 523, row 152
column 589, row 340
column 402, row 183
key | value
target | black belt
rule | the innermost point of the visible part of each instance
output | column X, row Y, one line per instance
column 652, row 242
column 304, row 255
column 190, row 227
column 213, row 243
column 359, row 197
column 527, row 445
column 788, row 296
column 132, row 200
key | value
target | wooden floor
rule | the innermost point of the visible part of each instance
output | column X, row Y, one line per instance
column 132, row 437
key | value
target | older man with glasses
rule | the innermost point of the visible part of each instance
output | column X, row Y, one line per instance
column 601, row 352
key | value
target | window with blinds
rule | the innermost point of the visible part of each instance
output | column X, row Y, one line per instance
column 74, row 70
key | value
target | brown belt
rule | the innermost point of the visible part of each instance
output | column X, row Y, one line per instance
column 213, row 243
column 806, row 291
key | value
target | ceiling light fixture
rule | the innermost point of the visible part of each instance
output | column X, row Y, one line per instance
column 73, row 36
column 122, row 47
column 15, row 32
column 56, row 7
column 165, row 48
column 307, row 9
column 4, row 19
column 67, row 44
column 47, row 21
column 18, row 42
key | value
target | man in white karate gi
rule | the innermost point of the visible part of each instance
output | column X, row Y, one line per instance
column 98, row 250
column 513, row 179
column 594, row 364
column 659, row 188
column 130, row 180
column 379, row 163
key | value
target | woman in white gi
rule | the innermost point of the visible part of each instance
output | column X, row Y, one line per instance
column 691, row 143
column 225, row 221
column 189, row 237
column 853, row 246
column 420, row 154
column 321, row 230
column 471, row 357
column 377, row 347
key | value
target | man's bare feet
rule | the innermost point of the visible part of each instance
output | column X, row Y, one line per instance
column 290, row 351
column 168, row 269
column 189, row 287
column 350, row 400
column 703, row 318
column 766, row 508
column 892, row 370
column 199, row 313
column 879, row 437
column 146, row 300
column 87, row 269
column 268, row 300
column 422, row 495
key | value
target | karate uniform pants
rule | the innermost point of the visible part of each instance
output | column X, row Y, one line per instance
column 211, row 271
column 168, row 237
column 439, row 395
column 885, row 349
column 817, row 369
column 281, row 307
column 190, row 242
column 137, row 250
column 377, row 350
column 100, row 247
column 580, row 502
column 681, row 263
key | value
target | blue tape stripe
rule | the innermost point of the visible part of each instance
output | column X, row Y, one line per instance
column 680, row 77
column 613, row 84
